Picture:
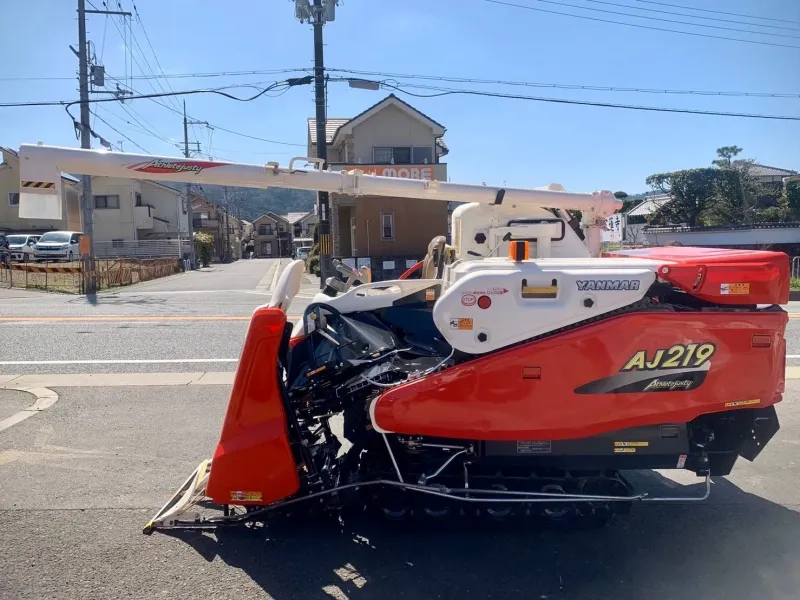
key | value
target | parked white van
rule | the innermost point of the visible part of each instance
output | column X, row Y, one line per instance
column 58, row 245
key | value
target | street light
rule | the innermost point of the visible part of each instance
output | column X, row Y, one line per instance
column 364, row 84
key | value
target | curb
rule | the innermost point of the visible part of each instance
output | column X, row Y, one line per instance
column 45, row 398
column 794, row 295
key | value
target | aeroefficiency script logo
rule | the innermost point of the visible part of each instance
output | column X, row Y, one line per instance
column 173, row 166
column 681, row 367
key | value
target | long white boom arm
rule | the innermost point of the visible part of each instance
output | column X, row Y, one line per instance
column 41, row 166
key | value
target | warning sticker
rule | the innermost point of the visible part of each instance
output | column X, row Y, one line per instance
column 681, row 461
column 525, row 447
column 240, row 496
column 624, row 450
column 461, row 324
column 742, row 403
column 734, row 289
column 430, row 294
column 631, row 444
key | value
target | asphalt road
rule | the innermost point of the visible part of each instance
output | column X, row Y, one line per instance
column 171, row 324
column 80, row 479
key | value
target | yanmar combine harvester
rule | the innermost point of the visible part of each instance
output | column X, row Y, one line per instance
column 518, row 376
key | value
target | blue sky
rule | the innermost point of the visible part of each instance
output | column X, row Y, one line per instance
column 516, row 142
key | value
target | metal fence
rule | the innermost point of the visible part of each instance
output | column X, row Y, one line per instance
column 69, row 278
column 143, row 249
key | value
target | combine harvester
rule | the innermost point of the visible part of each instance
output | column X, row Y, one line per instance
column 517, row 377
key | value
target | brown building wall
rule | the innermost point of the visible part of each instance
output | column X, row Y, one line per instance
column 416, row 223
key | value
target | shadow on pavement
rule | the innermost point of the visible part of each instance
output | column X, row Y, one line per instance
column 741, row 546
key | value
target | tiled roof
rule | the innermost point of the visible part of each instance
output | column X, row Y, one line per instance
column 331, row 127
column 649, row 206
column 295, row 217
column 765, row 171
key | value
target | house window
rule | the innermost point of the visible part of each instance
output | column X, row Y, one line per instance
column 387, row 226
column 266, row 248
column 106, row 201
column 403, row 155
column 13, row 198
column 262, row 230
column 400, row 155
column 422, row 155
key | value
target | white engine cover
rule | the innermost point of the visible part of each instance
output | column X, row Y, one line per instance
column 518, row 306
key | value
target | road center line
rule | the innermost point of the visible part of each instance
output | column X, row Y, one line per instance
column 143, row 361
column 122, row 318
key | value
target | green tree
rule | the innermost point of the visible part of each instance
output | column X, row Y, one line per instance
column 791, row 196
column 690, row 191
column 203, row 247
column 725, row 156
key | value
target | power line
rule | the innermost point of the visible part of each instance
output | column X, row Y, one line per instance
column 218, row 91
column 719, row 12
column 564, row 86
column 174, row 76
column 119, row 132
column 663, row 20
column 244, row 135
column 669, row 12
column 450, row 91
column 704, row 35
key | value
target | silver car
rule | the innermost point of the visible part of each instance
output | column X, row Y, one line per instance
column 21, row 246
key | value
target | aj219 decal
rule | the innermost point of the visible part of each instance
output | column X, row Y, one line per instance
column 675, row 357
column 681, row 367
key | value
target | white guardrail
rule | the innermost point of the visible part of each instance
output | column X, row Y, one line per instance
column 142, row 249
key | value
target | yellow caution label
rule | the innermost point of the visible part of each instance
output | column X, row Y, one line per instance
column 461, row 324
column 734, row 289
column 430, row 294
column 742, row 403
column 45, row 185
column 631, row 444
column 624, row 450
column 317, row 370
column 240, row 496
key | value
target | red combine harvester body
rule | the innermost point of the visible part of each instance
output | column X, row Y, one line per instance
column 513, row 373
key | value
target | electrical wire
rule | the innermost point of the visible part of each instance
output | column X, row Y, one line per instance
column 119, row 132
column 650, row 27
column 669, row 12
column 448, row 91
column 719, row 12
column 661, row 19
column 562, row 86
column 217, row 91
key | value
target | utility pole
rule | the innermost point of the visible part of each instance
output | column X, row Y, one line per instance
column 87, row 202
column 188, row 188
column 186, row 123
column 318, row 14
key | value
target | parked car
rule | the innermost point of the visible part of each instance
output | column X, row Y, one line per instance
column 5, row 255
column 58, row 245
column 21, row 246
column 302, row 253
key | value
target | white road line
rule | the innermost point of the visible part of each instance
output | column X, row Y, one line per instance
column 45, row 398
column 120, row 361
